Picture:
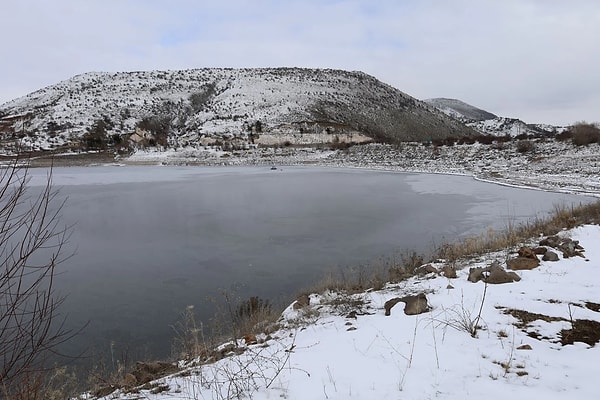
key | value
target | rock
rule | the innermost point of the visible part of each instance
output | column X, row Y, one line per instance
column 498, row 275
column 571, row 248
column 550, row 241
column 449, row 287
column 522, row 263
column 524, row 347
column 414, row 304
column 391, row 303
column 493, row 274
column 527, row 252
column 301, row 302
column 426, row 269
column 475, row 274
column 550, row 256
column 449, row 272
column 352, row 328
column 540, row 250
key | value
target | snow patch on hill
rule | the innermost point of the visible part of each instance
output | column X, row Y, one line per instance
column 460, row 110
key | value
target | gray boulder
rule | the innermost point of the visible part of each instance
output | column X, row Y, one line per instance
column 550, row 256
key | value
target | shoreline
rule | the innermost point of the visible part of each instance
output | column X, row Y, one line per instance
column 565, row 173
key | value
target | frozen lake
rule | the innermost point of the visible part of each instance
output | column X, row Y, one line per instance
column 151, row 240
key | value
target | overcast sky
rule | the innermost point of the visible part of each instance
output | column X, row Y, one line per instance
column 538, row 60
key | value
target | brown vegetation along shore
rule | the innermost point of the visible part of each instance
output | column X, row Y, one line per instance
column 44, row 159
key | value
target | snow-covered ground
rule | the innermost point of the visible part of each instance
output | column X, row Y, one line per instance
column 342, row 346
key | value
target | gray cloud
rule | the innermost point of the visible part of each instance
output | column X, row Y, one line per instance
column 531, row 59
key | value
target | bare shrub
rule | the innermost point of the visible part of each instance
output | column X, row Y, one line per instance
column 514, row 234
column 584, row 134
column 525, row 146
column 486, row 139
column 159, row 126
column 32, row 241
column 199, row 99
column 464, row 319
column 246, row 317
column 253, row 315
column 242, row 376
column 189, row 341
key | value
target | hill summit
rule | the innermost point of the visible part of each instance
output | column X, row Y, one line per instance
column 460, row 110
column 173, row 108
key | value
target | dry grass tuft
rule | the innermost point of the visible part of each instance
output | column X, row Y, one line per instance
column 562, row 217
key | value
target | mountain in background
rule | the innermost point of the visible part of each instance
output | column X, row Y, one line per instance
column 460, row 110
column 175, row 108
column 487, row 123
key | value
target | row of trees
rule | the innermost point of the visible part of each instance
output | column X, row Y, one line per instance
column 580, row 134
column 158, row 128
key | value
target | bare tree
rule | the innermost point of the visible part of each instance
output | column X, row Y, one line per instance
column 32, row 244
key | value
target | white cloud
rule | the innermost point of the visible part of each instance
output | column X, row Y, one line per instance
column 532, row 59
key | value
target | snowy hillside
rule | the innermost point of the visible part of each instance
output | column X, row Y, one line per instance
column 502, row 126
column 460, row 110
column 487, row 123
column 188, row 106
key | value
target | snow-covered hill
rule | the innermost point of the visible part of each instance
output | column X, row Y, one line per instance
column 189, row 105
column 460, row 110
column 487, row 123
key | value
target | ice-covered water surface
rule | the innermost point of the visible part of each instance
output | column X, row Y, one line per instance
column 151, row 240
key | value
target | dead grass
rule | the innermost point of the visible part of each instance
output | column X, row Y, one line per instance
column 53, row 384
column 562, row 217
column 374, row 276
column 399, row 268
column 582, row 330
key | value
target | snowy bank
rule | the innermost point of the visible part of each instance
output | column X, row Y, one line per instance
column 341, row 346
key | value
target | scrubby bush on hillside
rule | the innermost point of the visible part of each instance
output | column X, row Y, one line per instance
column 159, row 126
column 485, row 139
column 449, row 141
column 199, row 99
column 96, row 136
column 524, row 146
column 466, row 140
column 584, row 134
column 564, row 136
column 524, row 136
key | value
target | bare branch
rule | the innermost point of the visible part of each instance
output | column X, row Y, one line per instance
column 32, row 243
